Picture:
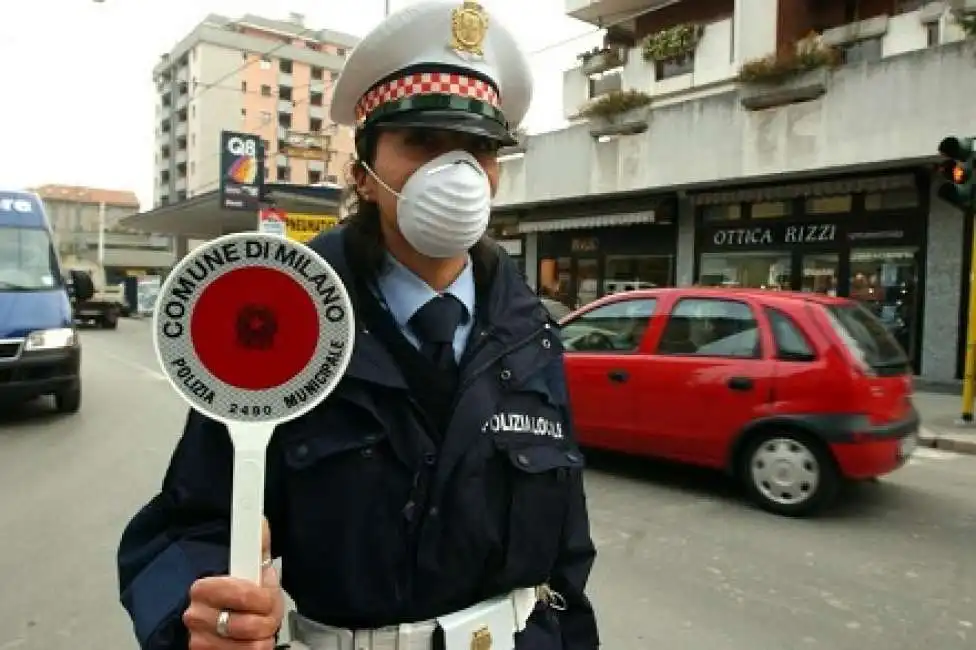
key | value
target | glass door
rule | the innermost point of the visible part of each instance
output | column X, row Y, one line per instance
column 885, row 280
column 587, row 281
column 819, row 273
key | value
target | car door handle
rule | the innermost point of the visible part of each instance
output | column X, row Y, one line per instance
column 741, row 383
column 618, row 376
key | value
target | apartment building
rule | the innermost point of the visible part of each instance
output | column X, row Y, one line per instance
column 784, row 144
column 255, row 75
column 78, row 213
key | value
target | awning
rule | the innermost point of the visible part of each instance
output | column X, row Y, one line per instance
column 201, row 217
column 595, row 221
column 798, row 190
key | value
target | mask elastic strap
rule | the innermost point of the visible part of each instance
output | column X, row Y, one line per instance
column 369, row 170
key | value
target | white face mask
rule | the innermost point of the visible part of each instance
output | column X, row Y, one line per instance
column 444, row 207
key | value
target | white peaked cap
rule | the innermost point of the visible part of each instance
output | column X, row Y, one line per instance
column 438, row 64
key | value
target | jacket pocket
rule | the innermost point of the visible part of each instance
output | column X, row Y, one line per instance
column 540, row 473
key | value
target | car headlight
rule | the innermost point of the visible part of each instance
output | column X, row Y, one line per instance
column 55, row 339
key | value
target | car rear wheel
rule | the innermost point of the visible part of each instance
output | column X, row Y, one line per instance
column 789, row 473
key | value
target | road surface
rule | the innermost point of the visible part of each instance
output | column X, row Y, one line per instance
column 683, row 565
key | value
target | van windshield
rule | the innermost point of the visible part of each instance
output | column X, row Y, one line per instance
column 27, row 260
column 867, row 339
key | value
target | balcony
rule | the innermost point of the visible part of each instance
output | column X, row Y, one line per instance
column 869, row 113
column 286, row 79
column 712, row 66
column 286, row 106
column 316, row 112
column 596, row 12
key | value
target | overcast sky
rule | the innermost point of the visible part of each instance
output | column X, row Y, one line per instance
column 76, row 105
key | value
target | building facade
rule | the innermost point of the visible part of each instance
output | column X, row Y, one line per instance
column 78, row 214
column 255, row 75
column 785, row 144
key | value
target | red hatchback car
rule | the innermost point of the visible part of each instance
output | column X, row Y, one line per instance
column 790, row 392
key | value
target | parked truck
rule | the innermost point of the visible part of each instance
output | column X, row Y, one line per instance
column 105, row 306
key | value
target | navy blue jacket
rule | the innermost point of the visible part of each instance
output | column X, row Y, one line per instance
column 377, row 526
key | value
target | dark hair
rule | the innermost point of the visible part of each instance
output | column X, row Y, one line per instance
column 366, row 250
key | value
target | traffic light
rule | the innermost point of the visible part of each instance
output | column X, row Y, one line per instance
column 958, row 187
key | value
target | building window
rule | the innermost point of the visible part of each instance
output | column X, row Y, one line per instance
column 839, row 204
column 866, row 51
column 314, row 177
column 265, row 63
column 243, row 86
column 605, row 82
column 674, row 67
column 284, row 120
column 332, row 178
column 933, row 34
column 284, row 92
column 243, row 113
column 891, row 200
column 770, row 210
column 340, row 51
column 283, row 173
column 719, row 213
column 317, row 73
column 315, row 125
column 265, row 90
column 285, row 66
column 712, row 328
column 315, row 99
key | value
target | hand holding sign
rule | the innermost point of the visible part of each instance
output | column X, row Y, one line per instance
column 253, row 330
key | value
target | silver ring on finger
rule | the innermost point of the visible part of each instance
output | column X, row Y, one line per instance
column 223, row 624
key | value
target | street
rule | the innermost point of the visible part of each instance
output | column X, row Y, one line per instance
column 684, row 563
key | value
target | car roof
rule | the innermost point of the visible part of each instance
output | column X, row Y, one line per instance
column 764, row 296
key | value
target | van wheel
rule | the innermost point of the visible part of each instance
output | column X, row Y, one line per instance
column 110, row 320
column 789, row 473
column 68, row 400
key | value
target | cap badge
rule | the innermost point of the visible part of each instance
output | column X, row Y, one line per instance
column 469, row 24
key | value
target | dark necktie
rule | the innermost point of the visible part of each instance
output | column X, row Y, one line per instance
column 435, row 325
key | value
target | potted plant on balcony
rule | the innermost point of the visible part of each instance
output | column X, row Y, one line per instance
column 617, row 113
column 790, row 77
column 600, row 59
column 672, row 44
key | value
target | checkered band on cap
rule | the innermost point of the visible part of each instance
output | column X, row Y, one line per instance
column 426, row 83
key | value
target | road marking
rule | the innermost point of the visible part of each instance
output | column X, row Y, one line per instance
column 927, row 453
column 155, row 374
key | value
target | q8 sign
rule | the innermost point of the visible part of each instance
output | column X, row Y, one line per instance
column 253, row 330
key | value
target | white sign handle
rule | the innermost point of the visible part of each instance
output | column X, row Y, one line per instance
column 247, row 501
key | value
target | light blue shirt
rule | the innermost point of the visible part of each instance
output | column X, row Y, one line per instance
column 405, row 293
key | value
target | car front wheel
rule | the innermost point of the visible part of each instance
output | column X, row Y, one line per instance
column 789, row 473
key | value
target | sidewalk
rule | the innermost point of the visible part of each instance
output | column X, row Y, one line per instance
column 939, row 413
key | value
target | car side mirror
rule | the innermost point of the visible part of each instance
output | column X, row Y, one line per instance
column 81, row 286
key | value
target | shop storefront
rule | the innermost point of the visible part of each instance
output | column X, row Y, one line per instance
column 861, row 237
column 504, row 230
column 584, row 258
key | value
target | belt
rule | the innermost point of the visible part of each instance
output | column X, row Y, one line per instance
column 488, row 625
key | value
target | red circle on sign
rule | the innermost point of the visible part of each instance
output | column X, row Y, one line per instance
column 254, row 328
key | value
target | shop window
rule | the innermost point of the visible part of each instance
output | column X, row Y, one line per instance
column 630, row 272
column 791, row 343
column 618, row 327
column 711, row 327
column 723, row 212
column 754, row 270
column 770, row 210
column 891, row 200
column 838, row 204
column 885, row 281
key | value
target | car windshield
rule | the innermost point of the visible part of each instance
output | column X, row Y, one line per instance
column 27, row 261
column 866, row 337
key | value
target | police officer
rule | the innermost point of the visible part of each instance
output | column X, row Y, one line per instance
column 435, row 499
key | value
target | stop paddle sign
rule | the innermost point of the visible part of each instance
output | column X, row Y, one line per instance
column 253, row 330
